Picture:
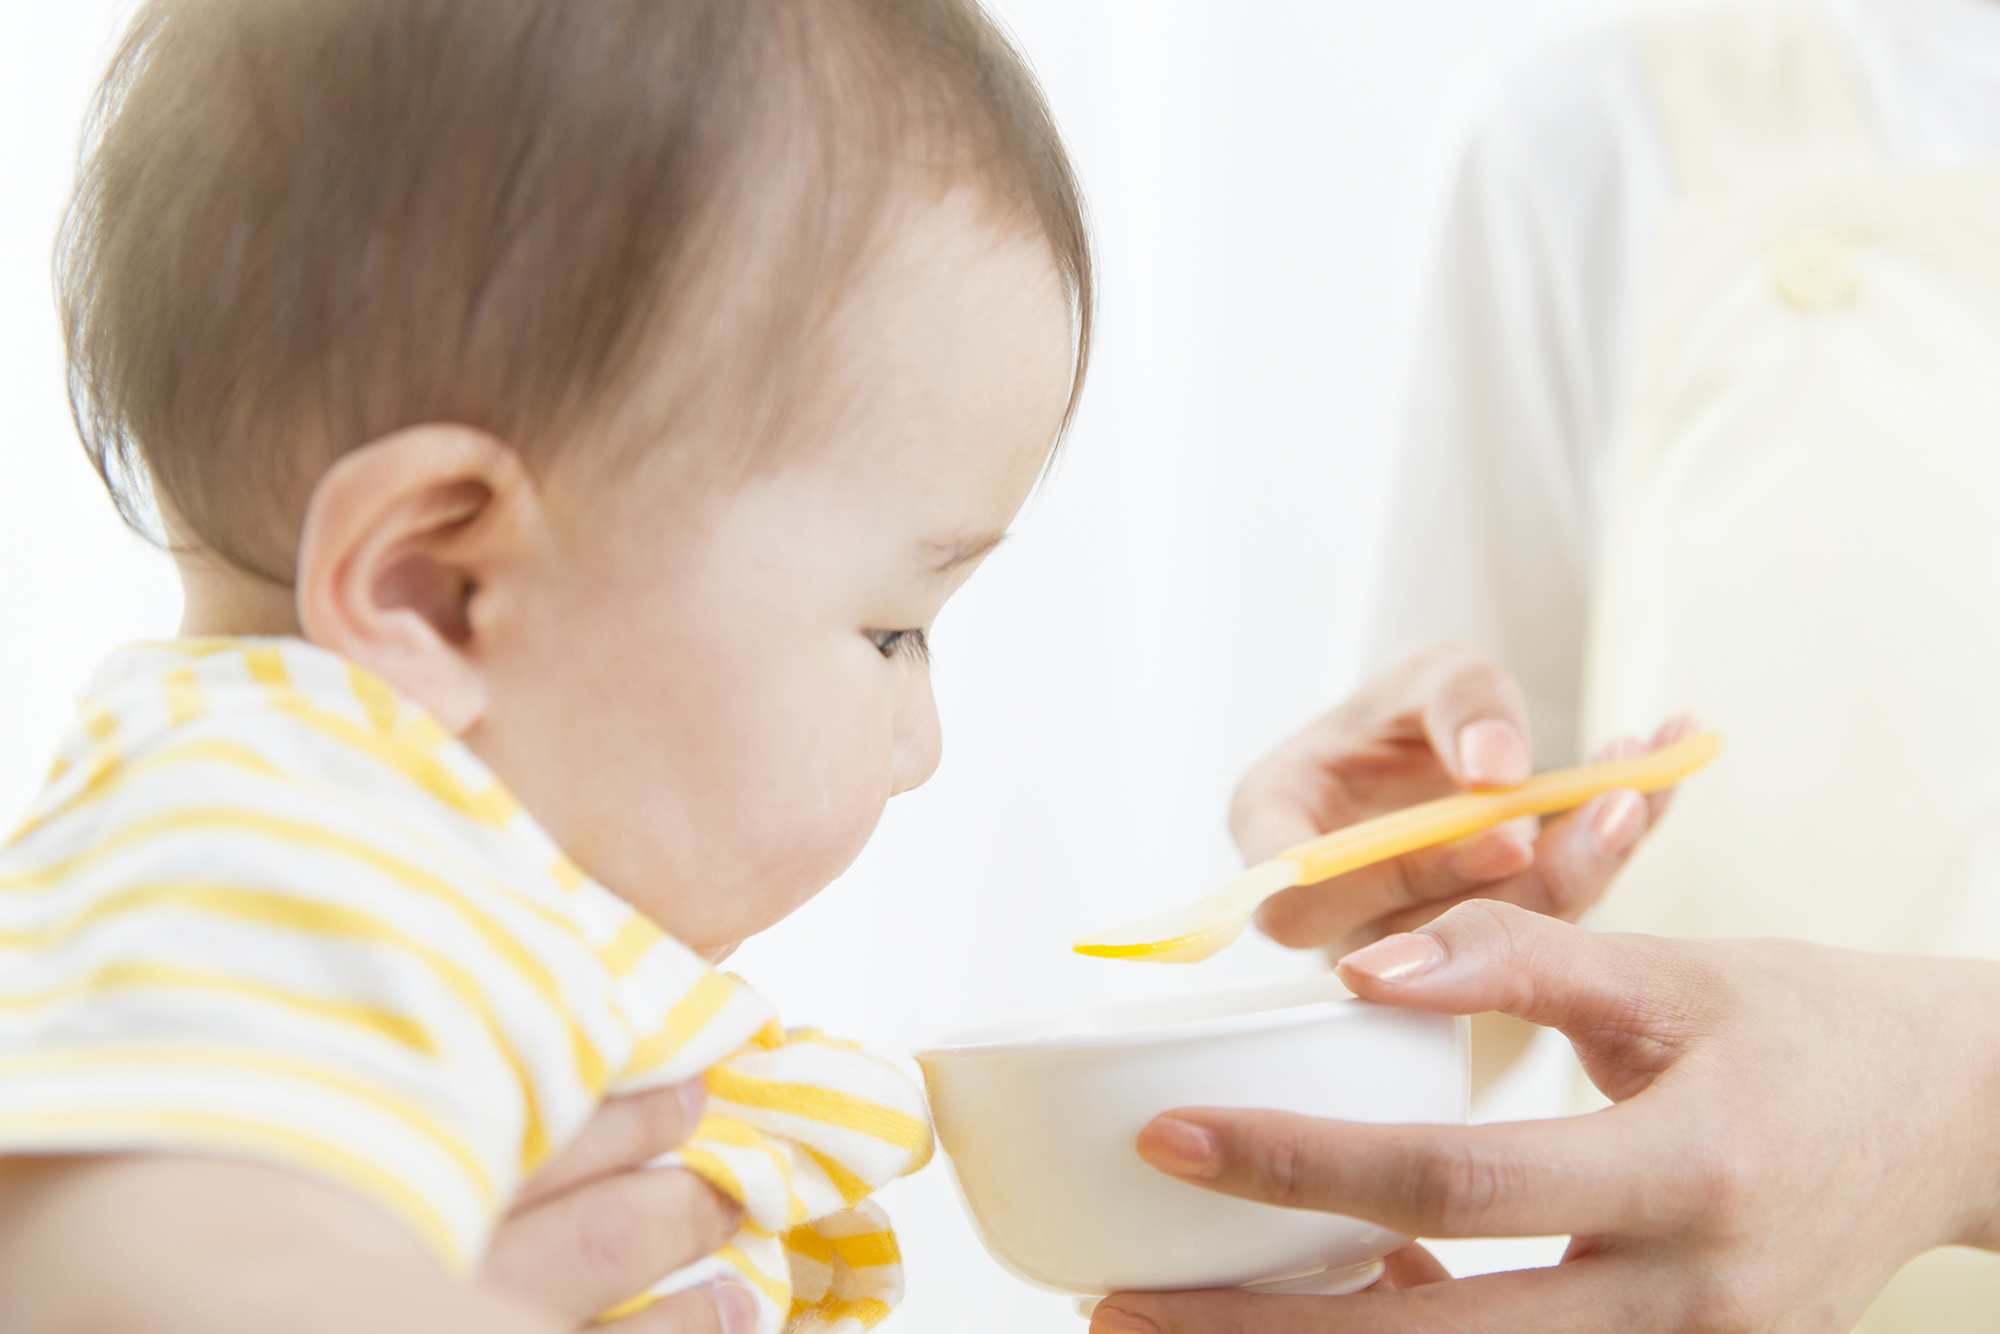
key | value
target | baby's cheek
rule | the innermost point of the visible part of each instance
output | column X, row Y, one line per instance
column 806, row 856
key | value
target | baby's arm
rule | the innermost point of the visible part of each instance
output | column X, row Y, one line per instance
column 166, row 1243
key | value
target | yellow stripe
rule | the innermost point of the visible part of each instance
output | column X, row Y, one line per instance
column 820, row 1039
column 684, row 1022
column 631, row 1306
column 397, row 1028
column 852, row 1188
column 184, row 697
column 491, row 807
column 568, row 874
column 868, row 1248
column 591, row 1068
column 308, row 917
column 226, row 753
column 75, row 1129
column 223, row 819
column 867, row 1310
column 102, row 725
column 103, row 784
column 99, row 721
column 199, row 647
column 829, row 1106
column 777, row 1291
column 266, row 665
column 378, row 701
column 713, row 1170
column 426, row 733
column 630, row 945
column 727, row 1130
column 127, row 1058
column 808, row 1242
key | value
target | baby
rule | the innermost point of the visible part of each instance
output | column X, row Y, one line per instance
column 567, row 417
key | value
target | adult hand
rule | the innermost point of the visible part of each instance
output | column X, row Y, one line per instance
column 1791, row 1126
column 595, row 1226
column 1441, row 721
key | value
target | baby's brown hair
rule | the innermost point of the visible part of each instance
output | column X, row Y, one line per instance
column 302, row 225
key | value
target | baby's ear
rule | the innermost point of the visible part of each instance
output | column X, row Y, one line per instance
column 403, row 539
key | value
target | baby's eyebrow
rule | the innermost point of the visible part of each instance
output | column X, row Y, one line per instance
column 948, row 556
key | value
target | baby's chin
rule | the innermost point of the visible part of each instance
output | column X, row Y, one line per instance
column 716, row 954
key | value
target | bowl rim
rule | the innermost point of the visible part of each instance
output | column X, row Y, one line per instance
column 1267, row 1020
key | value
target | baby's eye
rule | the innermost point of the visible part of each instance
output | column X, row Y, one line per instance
column 910, row 643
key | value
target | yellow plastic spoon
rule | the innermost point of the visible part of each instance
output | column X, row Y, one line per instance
column 1209, row 925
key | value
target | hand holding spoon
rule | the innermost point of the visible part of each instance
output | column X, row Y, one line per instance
column 1208, row 925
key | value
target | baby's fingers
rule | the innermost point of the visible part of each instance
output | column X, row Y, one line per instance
column 594, row 1246
column 714, row 1308
column 627, row 1132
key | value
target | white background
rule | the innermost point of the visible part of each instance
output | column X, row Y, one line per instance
column 1264, row 178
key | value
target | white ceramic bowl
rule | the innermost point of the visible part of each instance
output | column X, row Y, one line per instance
column 1038, row 1120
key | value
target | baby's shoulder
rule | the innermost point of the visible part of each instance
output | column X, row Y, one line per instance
column 270, row 785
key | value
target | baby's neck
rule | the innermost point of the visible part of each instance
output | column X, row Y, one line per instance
column 220, row 600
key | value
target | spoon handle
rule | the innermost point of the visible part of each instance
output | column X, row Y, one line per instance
column 1450, row 818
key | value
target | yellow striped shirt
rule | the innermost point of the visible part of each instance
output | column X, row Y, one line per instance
column 266, row 906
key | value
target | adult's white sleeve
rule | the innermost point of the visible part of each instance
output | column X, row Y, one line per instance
column 1506, row 438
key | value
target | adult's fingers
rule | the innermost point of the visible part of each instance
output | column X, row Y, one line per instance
column 1580, row 1297
column 1622, row 1170
column 1308, row 916
column 713, row 1308
column 1562, row 869
column 626, row 1132
column 1412, row 1267
column 1484, row 956
column 1574, row 858
column 594, row 1246
column 1474, row 714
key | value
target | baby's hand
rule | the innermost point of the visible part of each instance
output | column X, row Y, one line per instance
column 1444, row 720
column 595, row 1226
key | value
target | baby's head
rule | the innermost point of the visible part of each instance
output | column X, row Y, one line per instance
column 629, row 382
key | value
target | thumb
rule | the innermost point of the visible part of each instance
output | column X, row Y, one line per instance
column 1475, row 717
column 1485, row 955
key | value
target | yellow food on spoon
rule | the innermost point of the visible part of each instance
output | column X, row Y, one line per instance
column 1207, row 926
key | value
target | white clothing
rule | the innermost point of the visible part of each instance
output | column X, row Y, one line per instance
column 1667, row 449
column 266, row 907
column 1525, row 367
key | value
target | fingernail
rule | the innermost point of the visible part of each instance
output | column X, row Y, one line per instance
column 694, row 1102
column 1619, row 820
column 1492, row 754
column 1397, row 958
column 1121, row 1322
column 735, row 1308
column 1181, row 1147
